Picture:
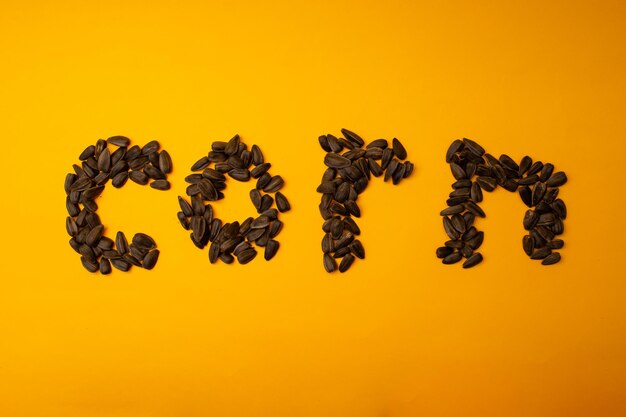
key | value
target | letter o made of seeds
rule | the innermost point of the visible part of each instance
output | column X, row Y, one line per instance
column 475, row 171
column 350, row 166
column 230, row 241
column 99, row 164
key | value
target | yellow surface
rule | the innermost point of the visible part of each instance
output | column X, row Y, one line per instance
column 400, row 334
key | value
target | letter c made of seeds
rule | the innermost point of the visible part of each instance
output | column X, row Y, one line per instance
column 99, row 164
column 230, row 241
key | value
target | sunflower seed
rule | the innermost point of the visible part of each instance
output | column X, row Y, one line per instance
column 473, row 147
column 530, row 219
column 487, row 183
column 207, row 190
column 333, row 160
column 557, row 179
column 473, row 260
column 398, row 149
column 232, row 146
column 160, row 185
column 88, row 152
column 246, row 256
column 357, row 248
column 94, row 235
column 150, row 147
column 89, row 264
column 282, row 203
column 476, row 193
column 546, row 172
column 71, row 226
column 275, row 184
column 541, row 253
column 239, row 174
column 452, row 258
column 144, row 241
column 139, row 177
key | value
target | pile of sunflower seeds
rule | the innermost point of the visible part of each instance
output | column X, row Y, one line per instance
column 476, row 171
column 233, row 240
column 350, row 166
column 98, row 166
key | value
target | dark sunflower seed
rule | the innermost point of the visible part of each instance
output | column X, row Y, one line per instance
column 282, row 203
column 265, row 203
column 270, row 249
column 239, row 174
column 121, row 264
column 94, row 235
column 160, row 185
column 118, row 140
column 398, row 149
column 275, row 184
column 541, row 253
column 556, row 244
column 260, row 170
column 476, row 193
column 200, row 164
column 357, row 249
column 557, row 179
column 232, row 146
column 452, row 258
column 333, row 160
column 476, row 241
column 246, row 256
column 207, row 190
column 89, row 264
column 455, row 147
column 150, row 147
column 528, row 244
column 71, row 226
column 530, row 219
column 443, row 251
column 154, row 172
column 144, row 241
column 551, row 259
column 487, row 183
column 474, row 209
column 449, row 229
column 346, row 263
column 458, row 223
column 139, row 177
column 260, row 222
column 452, row 210
column 473, row 147
column 473, row 260
column 87, row 153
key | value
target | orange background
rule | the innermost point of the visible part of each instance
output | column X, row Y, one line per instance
column 399, row 334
